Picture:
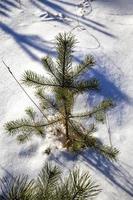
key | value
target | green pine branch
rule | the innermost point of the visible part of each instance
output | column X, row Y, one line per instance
column 87, row 140
column 101, row 108
column 24, row 128
column 47, row 101
column 50, row 184
column 47, row 181
column 83, row 86
column 109, row 152
column 84, row 66
column 33, row 79
column 64, row 47
column 23, row 124
column 79, row 186
column 31, row 113
column 50, row 66
column 18, row 187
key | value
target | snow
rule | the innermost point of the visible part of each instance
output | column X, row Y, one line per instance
column 105, row 29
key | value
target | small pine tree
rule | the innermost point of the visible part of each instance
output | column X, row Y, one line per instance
column 65, row 83
column 50, row 185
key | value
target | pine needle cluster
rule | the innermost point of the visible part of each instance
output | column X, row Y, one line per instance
column 50, row 185
column 65, row 83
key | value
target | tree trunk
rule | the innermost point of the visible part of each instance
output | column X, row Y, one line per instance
column 66, row 126
column 66, row 119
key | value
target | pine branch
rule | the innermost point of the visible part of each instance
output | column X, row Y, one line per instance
column 108, row 152
column 106, row 104
column 100, row 110
column 50, row 185
column 103, row 106
column 76, row 127
column 23, row 125
column 82, row 86
column 19, row 125
column 84, row 139
column 91, row 129
column 46, row 100
column 64, row 46
column 87, row 140
column 47, row 182
column 51, row 68
column 31, row 113
column 83, row 67
column 17, row 188
column 80, row 186
column 32, row 79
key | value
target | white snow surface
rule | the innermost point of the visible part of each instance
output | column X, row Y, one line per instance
column 103, row 28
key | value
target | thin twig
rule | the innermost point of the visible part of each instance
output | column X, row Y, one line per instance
column 108, row 129
column 9, row 70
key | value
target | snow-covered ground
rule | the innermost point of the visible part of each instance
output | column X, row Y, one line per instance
column 103, row 28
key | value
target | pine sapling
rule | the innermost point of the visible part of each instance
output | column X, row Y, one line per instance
column 65, row 83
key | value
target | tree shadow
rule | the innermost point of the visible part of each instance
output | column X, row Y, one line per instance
column 54, row 6
column 122, row 6
column 29, row 151
column 7, row 173
column 112, row 86
column 63, row 158
column 113, row 172
column 7, row 6
column 29, row 42
column 109, row 85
